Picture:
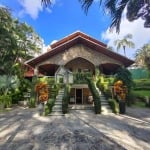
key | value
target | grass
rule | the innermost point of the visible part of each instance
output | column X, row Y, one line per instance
column 139, row 104
column 142, row 82
column 141, row 93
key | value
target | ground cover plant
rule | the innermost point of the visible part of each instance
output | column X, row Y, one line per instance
column 141, row 93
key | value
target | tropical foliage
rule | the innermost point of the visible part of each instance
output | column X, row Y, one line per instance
column 18, row 43
column 120, row 90
column 142, row 56
column 95, row 94
column 115, row 8
column 125, row 42
column 125, row 76
column 42, row 91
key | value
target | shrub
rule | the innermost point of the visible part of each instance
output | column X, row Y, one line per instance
column 65, row 100
column 114, row 105
column 6, row 100
column 32, row 103
column 95, row 94
column 48, row 107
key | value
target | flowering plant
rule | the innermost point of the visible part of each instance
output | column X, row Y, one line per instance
column 120, row 90
column 42, row 91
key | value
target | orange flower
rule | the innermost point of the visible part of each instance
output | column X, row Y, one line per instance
column 42, row 90
column 120, row 90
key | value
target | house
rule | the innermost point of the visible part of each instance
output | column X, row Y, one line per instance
column 78, row 53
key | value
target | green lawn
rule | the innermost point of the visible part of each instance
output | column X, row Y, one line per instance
column 141, row 93
column 139, row 104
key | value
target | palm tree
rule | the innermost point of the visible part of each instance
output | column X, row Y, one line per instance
column 46, row 2
column 123, row 43
column 135, row 9
column 142, row 56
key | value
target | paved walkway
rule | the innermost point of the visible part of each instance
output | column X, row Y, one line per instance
column 24, row 129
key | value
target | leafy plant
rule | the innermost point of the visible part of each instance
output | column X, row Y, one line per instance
column 6, row 100
column 65, row 100
column 114, row 105
column 49, row 106
column 32, row 102
column 124, row 75
column 95, row 94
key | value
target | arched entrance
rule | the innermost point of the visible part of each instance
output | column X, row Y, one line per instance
column 80, row 92
column 80, row 65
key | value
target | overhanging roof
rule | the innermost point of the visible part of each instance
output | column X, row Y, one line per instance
column 79, row 38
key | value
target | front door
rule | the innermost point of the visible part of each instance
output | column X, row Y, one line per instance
column 78, row 96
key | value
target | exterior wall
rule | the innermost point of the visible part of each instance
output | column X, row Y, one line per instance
column 81, row 64
column 82, row 51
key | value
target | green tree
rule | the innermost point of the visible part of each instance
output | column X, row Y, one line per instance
column 18, row 42
column 142, row 56
column 123, row 43
column 124, row 75
column 115, row 8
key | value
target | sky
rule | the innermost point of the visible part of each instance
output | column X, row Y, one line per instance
column 64, row 17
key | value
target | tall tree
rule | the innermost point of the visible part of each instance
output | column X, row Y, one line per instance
column 142, row 56
column 18, row 41
column 135, row 9
column 125, row 42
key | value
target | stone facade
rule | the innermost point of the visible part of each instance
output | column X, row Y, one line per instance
column 80, row 51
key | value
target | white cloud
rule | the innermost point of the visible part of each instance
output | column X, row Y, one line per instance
column 33, row 7
column 140, row 34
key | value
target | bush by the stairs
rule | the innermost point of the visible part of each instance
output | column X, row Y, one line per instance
column 95, row 94
column 5, row 100
column 54, row 91
column 114, row 105
column 32, row 102
column 48, row 107
column 65, row 99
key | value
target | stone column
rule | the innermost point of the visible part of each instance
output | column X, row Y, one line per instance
column 36, row 71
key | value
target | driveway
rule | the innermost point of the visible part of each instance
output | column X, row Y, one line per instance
column 24, row 129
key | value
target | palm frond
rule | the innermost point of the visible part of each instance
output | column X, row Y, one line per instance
column 117, row 15
column 110, row 6
column 46, row 2
column 87, row 3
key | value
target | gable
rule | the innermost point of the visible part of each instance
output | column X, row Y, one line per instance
column 80, row 51
column 70, row 42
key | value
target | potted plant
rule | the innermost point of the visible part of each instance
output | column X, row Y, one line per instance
column 120, row 90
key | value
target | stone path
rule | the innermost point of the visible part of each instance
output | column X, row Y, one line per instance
column 24, row 129
column 141, row 113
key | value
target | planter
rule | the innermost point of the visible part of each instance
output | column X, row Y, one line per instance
column 122, row 107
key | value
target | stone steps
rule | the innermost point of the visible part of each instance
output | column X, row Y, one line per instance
column 105, row 108
column 81, row 107
column 57, row 108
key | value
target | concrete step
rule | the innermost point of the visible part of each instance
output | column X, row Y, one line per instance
column 56, row 110
column 56, row 114
column 81, row 107
column 61, row 92
column 59, row 98
column 58, row 102
column 57, row 107
column 104, row 103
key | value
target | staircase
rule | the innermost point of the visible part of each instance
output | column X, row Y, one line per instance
column 57, row 108
column 105, row 108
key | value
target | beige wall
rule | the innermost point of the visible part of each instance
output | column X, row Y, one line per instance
column 77, row 51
